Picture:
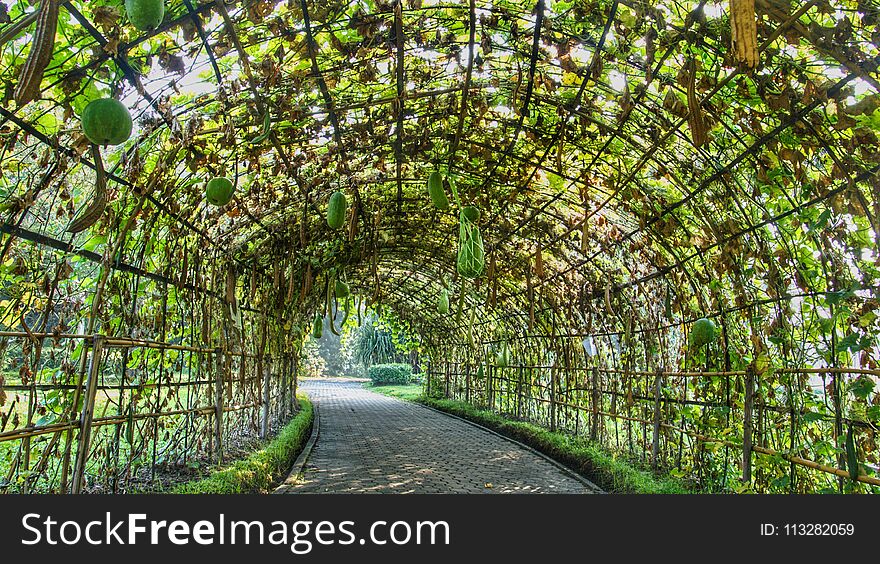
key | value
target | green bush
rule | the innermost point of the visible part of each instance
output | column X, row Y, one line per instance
column 263, row 469
column 381, row 374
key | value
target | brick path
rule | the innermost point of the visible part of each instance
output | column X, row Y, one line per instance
column 370, row 443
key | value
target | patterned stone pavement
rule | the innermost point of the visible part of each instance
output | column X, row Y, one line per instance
column 370, row 443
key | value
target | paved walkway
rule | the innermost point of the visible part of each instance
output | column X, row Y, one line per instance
column 370, row 443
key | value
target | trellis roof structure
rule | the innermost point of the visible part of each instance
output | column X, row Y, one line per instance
column 575, row 126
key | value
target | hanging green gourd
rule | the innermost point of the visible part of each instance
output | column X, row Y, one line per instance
column 471, row 256
column 703, row 332
column 219, row 190
column 93, row 212
column 852, row 459
column 435, row 190
column 106, row 122
column 129, row 425
column 336, row 209
column 267, row 129
column 472, row 213
column 342, row 291
column 443, row 302
column 145, row 15
column 42, row 48
column 502, row 359
column 317, row 327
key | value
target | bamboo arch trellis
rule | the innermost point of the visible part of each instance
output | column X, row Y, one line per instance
column 567, row 123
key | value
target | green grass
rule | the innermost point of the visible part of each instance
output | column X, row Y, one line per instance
column 408, row 392
column 262, row 469
column 611, row 473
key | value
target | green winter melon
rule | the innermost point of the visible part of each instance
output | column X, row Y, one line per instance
column 342, row 290
column 703, row 332
column 106, row 122
column 336, row 210
column 472, row 213
column 471, row 254
column 317, row 326
column 443, row 302
column 435, row 190
column 145, row 15
column 219, row 191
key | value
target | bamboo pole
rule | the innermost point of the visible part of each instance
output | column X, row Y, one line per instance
column 655, row 445
column 430, row 375
column 748, row 407
column 755, row 448
column 264, row 423
column 553, row 399
column 218, row 404
column 519, row 382
column 594, row 420
column 85, row 420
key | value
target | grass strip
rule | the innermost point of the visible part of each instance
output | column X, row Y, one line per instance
column 262, row 469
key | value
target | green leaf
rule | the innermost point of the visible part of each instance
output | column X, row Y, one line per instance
column 94, row 242
column 862, row 387
column 812, row 417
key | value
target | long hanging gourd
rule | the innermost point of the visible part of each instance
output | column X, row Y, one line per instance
column 443, row 302
column 435, row 190
column 333, row 310
column 230, row 286
column 493, row 282
column 291, row 284
column 95, row 209
column 608, row 307
column 353, row 223
column 696, row 123
column 471, row 255
column 42, row 47
column 341, row 289
column 744, row 32
column 852, row 458
column 307, row 283
column 267, row 129
column 539, row 263
column 502, row 359
column 345, row 311
column 317, row 326
column 460, row 308
column 585, row 231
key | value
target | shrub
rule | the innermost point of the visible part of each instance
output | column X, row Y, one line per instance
column 390, row 374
